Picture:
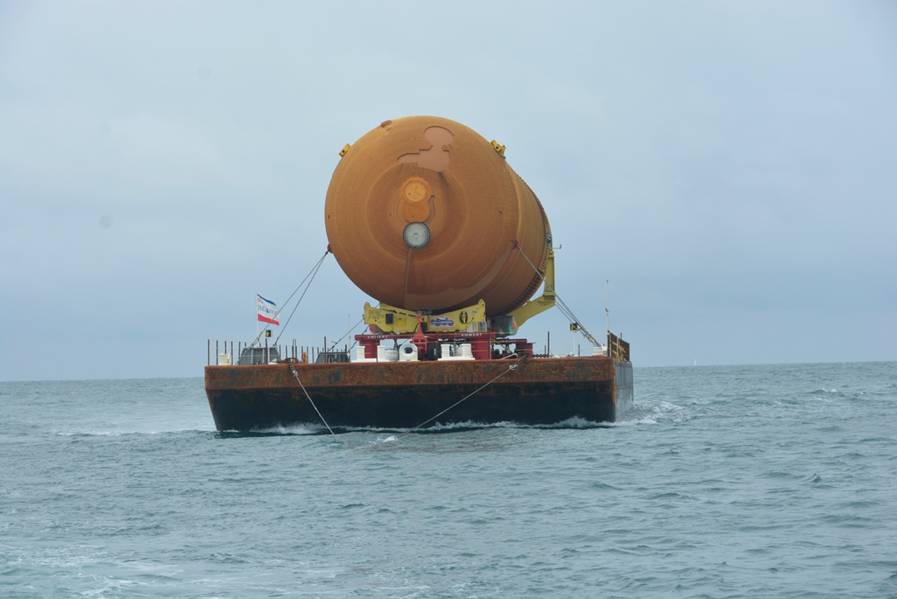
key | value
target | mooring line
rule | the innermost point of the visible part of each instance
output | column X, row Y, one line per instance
column 310, row 400
column 510, row 368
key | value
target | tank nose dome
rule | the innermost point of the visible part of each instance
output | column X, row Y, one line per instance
column 422, row 213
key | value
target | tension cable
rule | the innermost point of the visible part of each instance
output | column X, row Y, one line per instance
column 562, row 305
column 510, row 368
column 346, row 334
column 312, row 274
column 310, row 400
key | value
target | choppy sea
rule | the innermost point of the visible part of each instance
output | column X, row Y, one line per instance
column 744, row 481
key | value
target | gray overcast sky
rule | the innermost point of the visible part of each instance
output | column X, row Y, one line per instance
column 730, row 168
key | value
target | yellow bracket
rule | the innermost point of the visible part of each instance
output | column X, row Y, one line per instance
column 390, row 319
column 345, row 150
column 499, row 148
column 542, row 303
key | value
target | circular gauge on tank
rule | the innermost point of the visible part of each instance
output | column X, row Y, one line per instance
column 416, row 235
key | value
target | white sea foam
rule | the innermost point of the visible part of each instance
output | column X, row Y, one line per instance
column 653, row 414
column 823, row 391
column 293, row 429
column 466, row 425
column 108, row 433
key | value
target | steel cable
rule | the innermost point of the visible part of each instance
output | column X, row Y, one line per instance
column 286, row 302
column 310, row 400
column 313, row 273
column 510, row 368
column 562, row 305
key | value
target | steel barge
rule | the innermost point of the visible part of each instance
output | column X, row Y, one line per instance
column 426, row 216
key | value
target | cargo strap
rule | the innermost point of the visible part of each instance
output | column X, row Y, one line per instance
column 510, row 368
column 310, row 400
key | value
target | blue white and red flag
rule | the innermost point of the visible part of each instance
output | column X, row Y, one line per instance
column 267, row 310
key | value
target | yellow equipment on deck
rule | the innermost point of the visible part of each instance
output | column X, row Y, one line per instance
column 389, row 319
column 470, row 319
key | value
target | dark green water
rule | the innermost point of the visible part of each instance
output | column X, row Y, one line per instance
column 760, row 481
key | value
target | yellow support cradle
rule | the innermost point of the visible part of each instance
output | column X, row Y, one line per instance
column 389, row 319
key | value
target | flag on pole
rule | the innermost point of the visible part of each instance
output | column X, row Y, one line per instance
column 267, row 310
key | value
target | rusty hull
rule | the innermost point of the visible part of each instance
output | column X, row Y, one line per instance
column 405, row 394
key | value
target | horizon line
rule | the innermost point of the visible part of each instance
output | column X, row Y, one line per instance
column 635, row 365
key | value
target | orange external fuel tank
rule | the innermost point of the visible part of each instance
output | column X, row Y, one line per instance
column 423, row 213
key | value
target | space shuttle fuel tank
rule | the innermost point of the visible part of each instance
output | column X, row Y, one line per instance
column 424, row 214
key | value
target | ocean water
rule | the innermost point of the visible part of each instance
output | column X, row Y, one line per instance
column 750, row 481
